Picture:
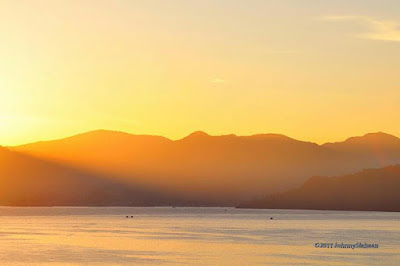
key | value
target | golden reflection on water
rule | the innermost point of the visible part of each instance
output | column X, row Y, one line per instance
column 190, row 236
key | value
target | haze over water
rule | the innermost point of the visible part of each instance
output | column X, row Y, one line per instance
column 224, row 236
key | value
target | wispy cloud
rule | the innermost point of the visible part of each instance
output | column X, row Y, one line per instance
column 282, row 52
column 217, row 80
column 377, row 29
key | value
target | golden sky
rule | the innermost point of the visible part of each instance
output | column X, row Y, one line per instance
column 313, row 70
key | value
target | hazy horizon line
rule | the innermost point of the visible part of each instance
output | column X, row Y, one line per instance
column 196, row 131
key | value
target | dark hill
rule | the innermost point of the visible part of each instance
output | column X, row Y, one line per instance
column 368, row 190
column 27, row 181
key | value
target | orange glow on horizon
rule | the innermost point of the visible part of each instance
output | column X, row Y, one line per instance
column 151, row 68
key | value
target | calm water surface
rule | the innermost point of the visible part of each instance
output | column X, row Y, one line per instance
column 208, row 236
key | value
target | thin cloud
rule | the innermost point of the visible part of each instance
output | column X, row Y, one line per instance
column 217, row 80
column 282, row 52
column 383, row 30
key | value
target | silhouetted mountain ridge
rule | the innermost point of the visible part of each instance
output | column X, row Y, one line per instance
column 368, row 190
column 27, row 181
column 368, row 141
column 226, row 169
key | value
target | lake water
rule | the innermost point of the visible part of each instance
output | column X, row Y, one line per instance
column 208, row 236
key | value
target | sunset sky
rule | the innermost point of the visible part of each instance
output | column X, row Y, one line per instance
column 313, row 70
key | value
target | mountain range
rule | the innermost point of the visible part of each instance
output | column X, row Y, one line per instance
column 368, row 190
column 28, row 181
column 197, row 170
